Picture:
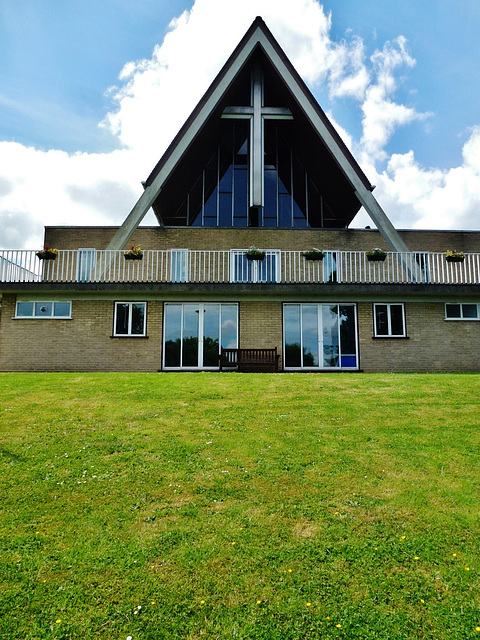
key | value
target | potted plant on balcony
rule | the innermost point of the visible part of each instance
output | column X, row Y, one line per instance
column 313, row 254
column 134, row 253
column 47, row 253
column 255, row 254
column 376, row 255
column 453, row 255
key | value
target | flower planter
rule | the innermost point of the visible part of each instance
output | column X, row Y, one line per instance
column 455, row 258
column 133, row 256
column 46, row 255
column 377, row 257
column 255, row 256
column 313, row 255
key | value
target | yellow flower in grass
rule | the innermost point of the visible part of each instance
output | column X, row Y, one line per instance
column 454, row 555
column 259, row 602
column 416, row 558
column 309, row 604
column 58, row 621
column 477, row 629
column 339, row 626
column 467, row 568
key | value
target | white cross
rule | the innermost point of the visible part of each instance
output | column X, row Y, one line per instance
column 257, row 113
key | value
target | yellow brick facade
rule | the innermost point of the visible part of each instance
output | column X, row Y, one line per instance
column 239, row 238
column 85, row 342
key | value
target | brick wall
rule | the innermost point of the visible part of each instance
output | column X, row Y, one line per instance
column 81, row 344
column 285, row 239
column 433, row 344
column 261, row 325
column 85, row 343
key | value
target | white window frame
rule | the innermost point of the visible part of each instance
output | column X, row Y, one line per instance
column 319, row 306
column 52, row 316
column 129, row 334
column 201, row 306
column 255, row 266
column 389, row 305
column 462, row 318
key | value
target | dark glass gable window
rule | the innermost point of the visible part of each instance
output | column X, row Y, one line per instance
column 219, row 197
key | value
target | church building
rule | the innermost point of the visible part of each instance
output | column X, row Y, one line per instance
column 252, row 265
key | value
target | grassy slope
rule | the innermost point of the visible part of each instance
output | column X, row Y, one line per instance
column 244, row 506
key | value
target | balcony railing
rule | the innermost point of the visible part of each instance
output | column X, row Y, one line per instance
column 178, row 265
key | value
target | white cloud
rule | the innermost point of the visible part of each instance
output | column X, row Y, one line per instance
column 155, row 95
column 424, row 198
column 381, row 115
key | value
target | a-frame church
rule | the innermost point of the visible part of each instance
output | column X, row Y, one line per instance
column 252, row 266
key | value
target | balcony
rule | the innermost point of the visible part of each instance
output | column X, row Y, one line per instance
column 232, row 266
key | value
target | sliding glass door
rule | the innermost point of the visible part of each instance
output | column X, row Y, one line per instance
column 320, row 336
column 195, row 332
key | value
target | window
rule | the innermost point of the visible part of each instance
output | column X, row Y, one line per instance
column 87, row 259
column 40, row 309
column 244, row 270
column 130, row 319
column 389, row 320
column 195, row 332
column 462, row 311
column 320, row 336
column 179, row 266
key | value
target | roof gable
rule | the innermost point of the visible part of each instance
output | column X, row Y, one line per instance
column 321, row 144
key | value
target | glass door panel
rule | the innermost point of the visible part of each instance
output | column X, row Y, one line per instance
column 229, row 323
column 310, row 335
column 190, row 335
column 173, row 335
column 320, row 336
column 330, row 335
column 194, row 333
column 292, row 353
column 211, row 335
column 348, row 343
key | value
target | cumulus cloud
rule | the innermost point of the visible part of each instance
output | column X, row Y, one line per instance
column 155, row 95
column 433, row 198
column 381, row 114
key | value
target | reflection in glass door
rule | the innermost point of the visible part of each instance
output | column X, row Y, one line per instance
column 320, row 336
column 195, row 333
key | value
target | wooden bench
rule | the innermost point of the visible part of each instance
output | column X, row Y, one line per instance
column 248, row 360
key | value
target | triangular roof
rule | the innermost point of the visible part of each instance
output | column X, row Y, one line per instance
column 352, row 188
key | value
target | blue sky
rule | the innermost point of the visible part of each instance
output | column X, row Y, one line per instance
column 412, row 120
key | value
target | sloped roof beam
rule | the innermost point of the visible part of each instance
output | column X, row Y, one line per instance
column 381, row 221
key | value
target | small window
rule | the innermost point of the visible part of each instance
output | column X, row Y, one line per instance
column 43, row 309
column 130, row 319
column 462, row 311
column 389, row 320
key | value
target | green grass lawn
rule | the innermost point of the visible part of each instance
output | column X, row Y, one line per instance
column 171, row 506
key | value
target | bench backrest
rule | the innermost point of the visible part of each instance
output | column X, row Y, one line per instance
column 236, row 356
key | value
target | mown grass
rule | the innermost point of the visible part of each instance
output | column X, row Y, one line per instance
column 244, row 506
